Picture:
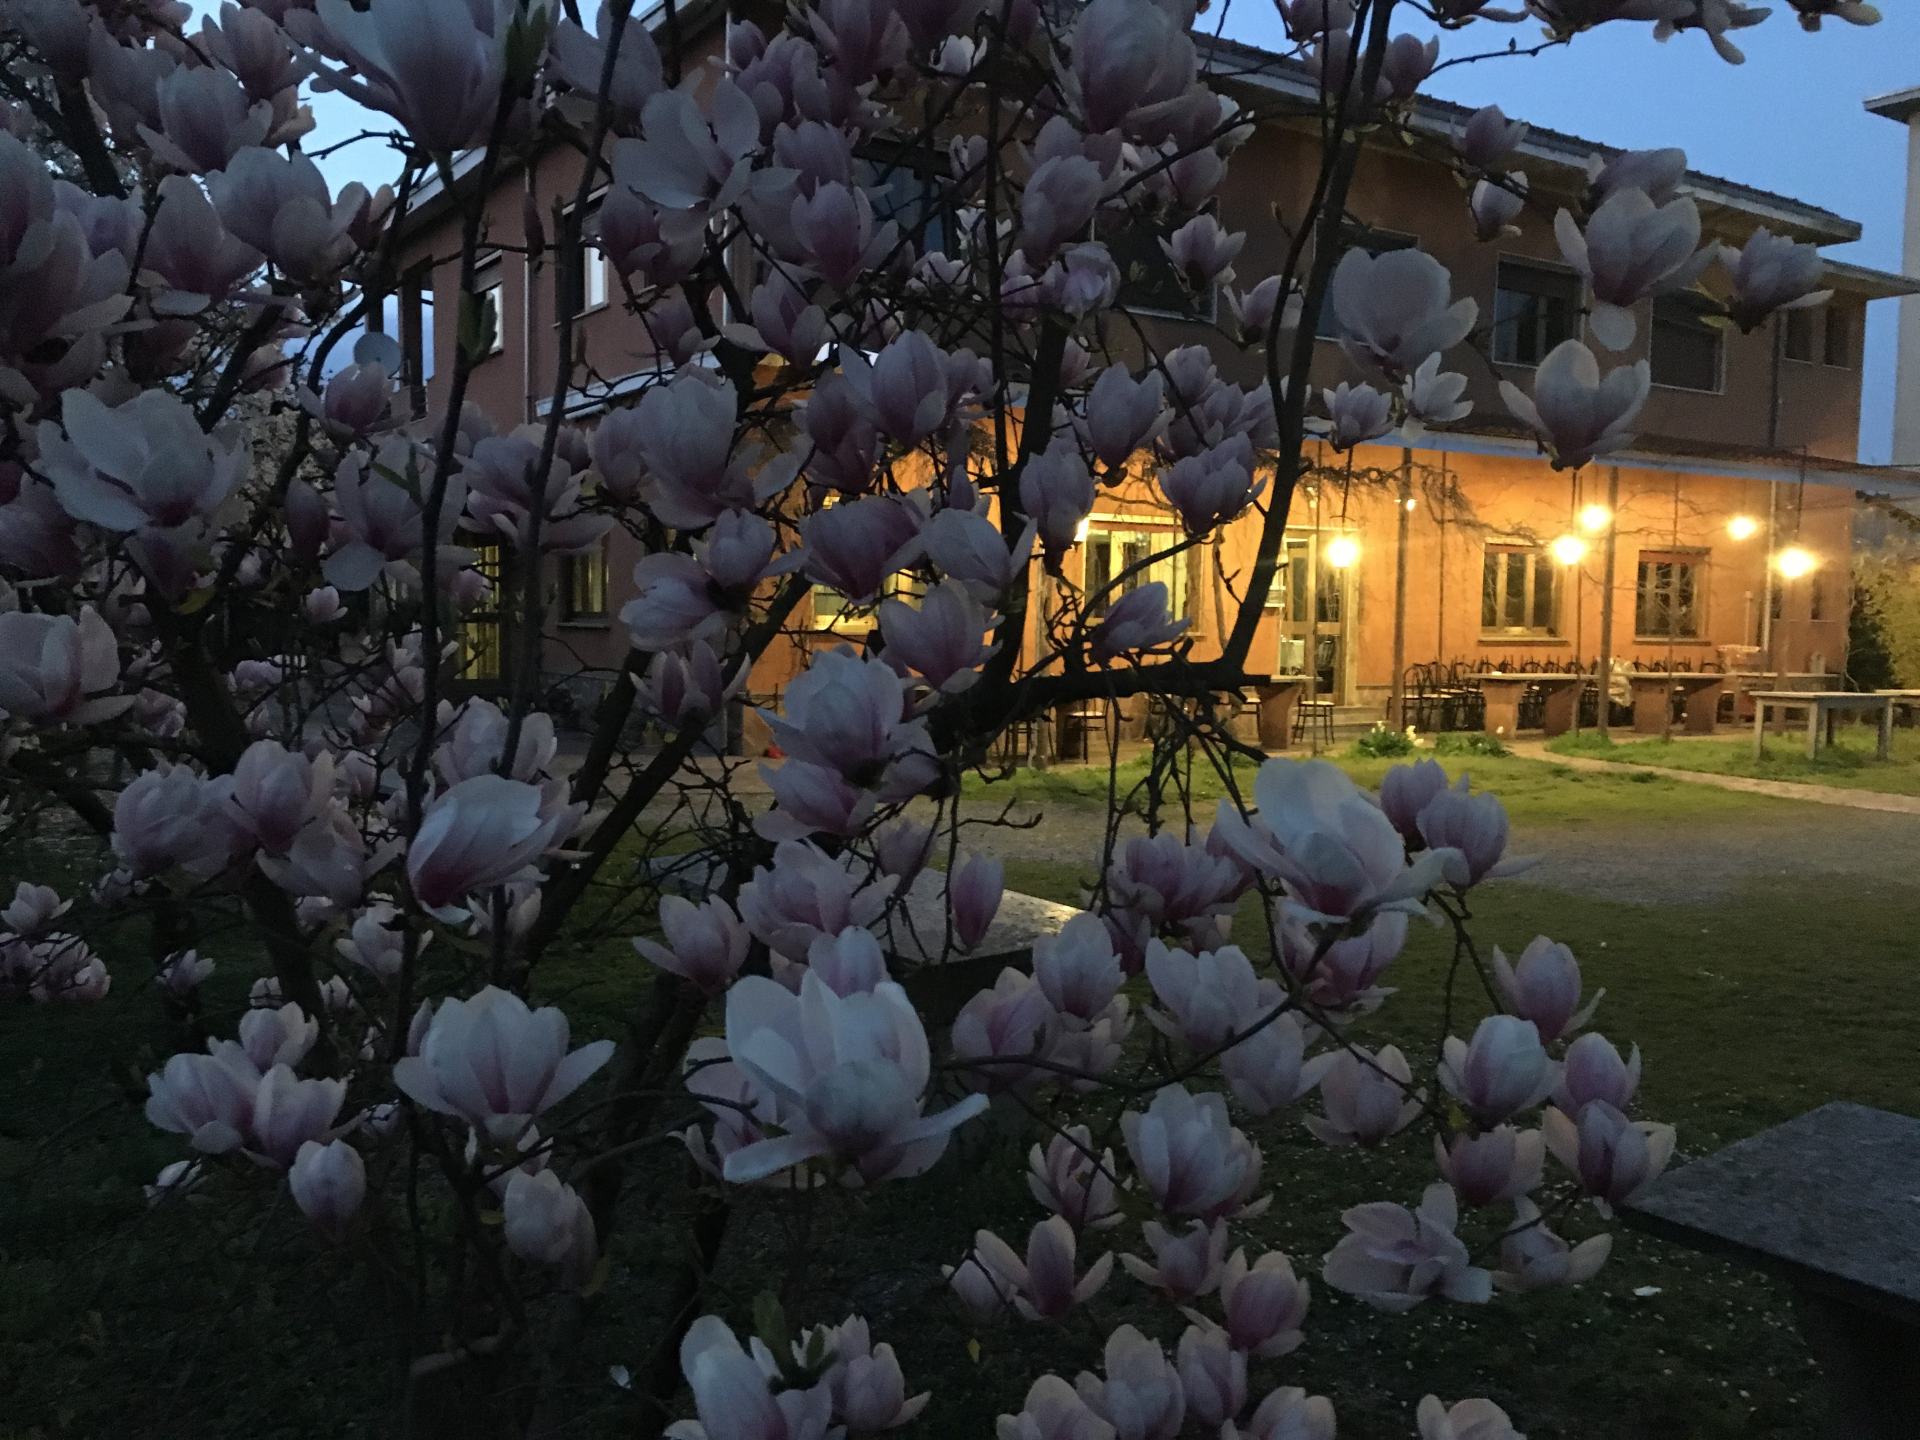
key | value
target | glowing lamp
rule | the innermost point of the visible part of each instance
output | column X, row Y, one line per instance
column 1081, row 531
column 1568, row 549
column 1342, row 551
column 1743, row 527
column 1795, row 561
column 1595, row 518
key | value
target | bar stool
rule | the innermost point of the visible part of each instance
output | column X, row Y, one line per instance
column 1310, row 716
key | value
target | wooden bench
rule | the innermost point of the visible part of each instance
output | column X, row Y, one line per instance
column 1831, row 1203
column 1822, row 708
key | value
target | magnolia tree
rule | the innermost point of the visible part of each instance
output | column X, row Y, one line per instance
column 236, row 564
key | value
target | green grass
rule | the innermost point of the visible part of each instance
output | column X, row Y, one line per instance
column 228, row 1319
column 1850, row 763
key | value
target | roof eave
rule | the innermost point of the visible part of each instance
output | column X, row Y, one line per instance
column 1901, row 105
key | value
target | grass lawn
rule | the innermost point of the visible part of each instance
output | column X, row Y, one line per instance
column 227, row 1318
column 1849, row 763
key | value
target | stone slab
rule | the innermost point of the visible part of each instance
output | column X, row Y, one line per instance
column 1830, row 1201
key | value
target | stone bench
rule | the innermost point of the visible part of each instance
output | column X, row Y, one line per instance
column 914, row 933
column 1830, row 1202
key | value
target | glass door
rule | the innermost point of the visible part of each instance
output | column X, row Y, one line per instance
column 1311, row 598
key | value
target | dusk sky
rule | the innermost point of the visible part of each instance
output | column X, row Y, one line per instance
column 1789, row 120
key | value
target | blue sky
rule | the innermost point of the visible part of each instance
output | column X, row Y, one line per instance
column 1789, row 120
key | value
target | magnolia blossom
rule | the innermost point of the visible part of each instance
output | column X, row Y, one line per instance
column 1140, row 1394
column 1467, row 1420
column 1209, row 489
column 1432, row 397
column 547, row 1223
column 1269, row 1069
column 1489, row 138
column 1264, row 1304
column 1575, row 414
column 1544, row 987
column 804, row 896
column 1493, row 205
column 1368, row 1097
column 857, row 547
column 1077, row 969
column 942, row 639
column 1208, row 997
column 183, row 973
column 869, row 1392
column 1493, row 1165
column 53, row 668
column 142, row 466
column 487, row 830
column 1135, row 623
column 1394, row 1258
column 1532, row 1257
column 437, row 67
column 705, row 943
column 733, row 1396
column 1213, row 1375
column 1771, row 273
column 1186, row 1264
column 1393, row 309
column 1057, row 490
column 166, row 817
column 1612, row 1157
column 1008, row 1022
column 1288, row 1413
column 1405, row 791
column 1123, row 414
column 1502, row 1071
column 1043, row 1285
column 328, row 1182
column 495, row 1063
column 912, row 389
column 1632, row 248
column 1356, row 414
column 1191, row 1159
column 203, row 1097
column 841, row 1076
column 970, row 550
column 287, row 1113
column 1339, row 856
column 276, row 791
column 1072, row 1181
column 1053, row 1411
column 1593, row 1070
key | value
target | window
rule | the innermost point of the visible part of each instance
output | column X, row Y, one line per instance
column 482, row 647
column 1668, row 596
column 1290, row 587
column 489, row 284
column 1798, row 340
column 1535, row 307
column 416, row 335
column 585, row 286
column 1148, row 279
column 1686, row 346
column 906, row 188
column 583, row 584
column 1326, row 324
column 1112, row 553
column 1816, row 597
column 1837, row 347
column 1519, row 592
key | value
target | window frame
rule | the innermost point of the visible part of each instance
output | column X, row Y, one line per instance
column 1788, row 320
column 416, row 325
column 572, row 612
column 1576, row 318
column 490, row 288
column 1541, row 561
column 1699, row 305
column 1112, row 526
column 596, row 289
column 1829, row 313
column 1199, row 314
column 1698, row 564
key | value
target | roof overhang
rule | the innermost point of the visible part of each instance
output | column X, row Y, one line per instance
column 1262, row 69
column 1874, row 284
column 1893, row 482
column 1901, row 105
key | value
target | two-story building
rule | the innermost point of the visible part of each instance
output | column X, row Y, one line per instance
column 1723, row 533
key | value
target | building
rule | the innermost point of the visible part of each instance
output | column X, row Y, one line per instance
column 1723, row 533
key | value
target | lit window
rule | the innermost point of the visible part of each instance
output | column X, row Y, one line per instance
column 1668, row 594
column 1519, row 591
column 489, row 284
column 1535, row 308
column 1120, row 561
column 583, row 584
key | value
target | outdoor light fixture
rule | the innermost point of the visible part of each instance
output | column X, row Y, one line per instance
column 1795, row 561
column 1595, row 518
column 1411, row 502
column 1342, row 551
column 1081, row 531
column 1743, row 527
column 1568, row 549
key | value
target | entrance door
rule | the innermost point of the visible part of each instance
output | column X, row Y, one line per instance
column 1313, row 629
